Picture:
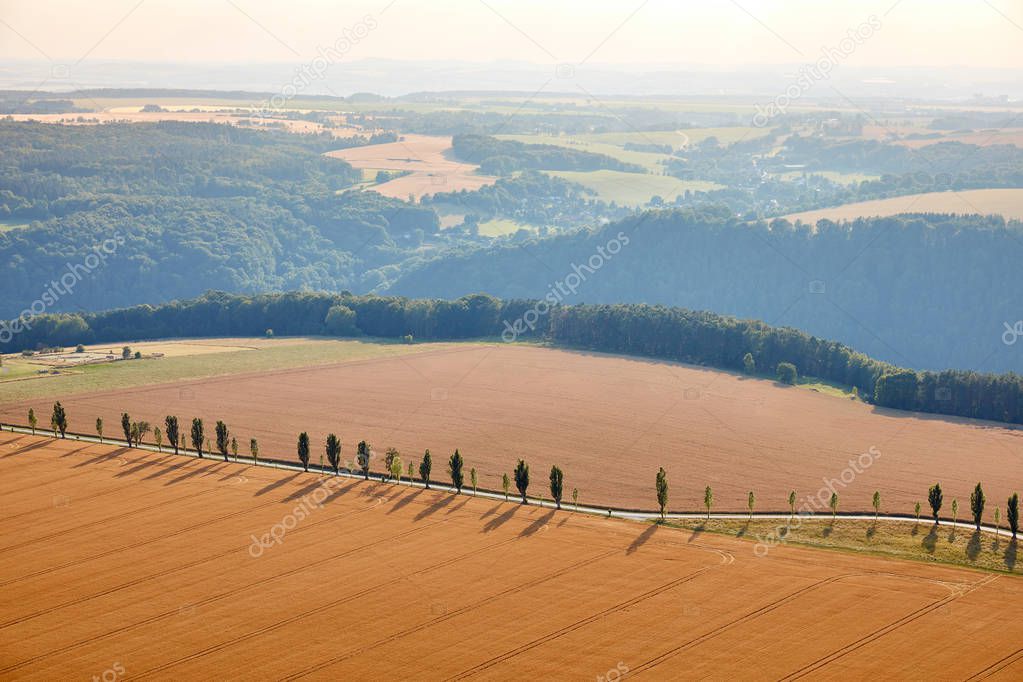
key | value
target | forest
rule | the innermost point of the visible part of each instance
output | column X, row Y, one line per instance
column 503, row 157
column 652, row 331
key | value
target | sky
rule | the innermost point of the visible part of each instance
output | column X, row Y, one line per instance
column 719, row 33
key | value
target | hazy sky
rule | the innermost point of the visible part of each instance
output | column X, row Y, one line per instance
column 986, row 33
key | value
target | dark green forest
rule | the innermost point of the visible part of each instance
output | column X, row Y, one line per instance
column 503, row 157
column 651, row 331
column 923, row 291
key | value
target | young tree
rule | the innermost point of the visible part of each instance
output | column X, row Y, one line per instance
column 396, row 468
column 140, row 430
column 935, row 498
column 32, row 421
column 133, row 434
column 792, row 505
column 575, row 497
column 750, row 501
column 303, row 450
column 557, row 485
column 254, row 450
column 389, row 456
column 708, row 500
column 126, row 353
column 977, row 500
column 209, row 448
column 505, row 485
column 334, row 452
column 455, row 464
column 223, row 439
column 363, row 453
column 197, row 435
column 748, row 364
column 1012, row 513
column 158, row 438
column 473, row 480
column 126, row 427
column 917, row 510
column 998, row 519
column 955, row 511
column 787, row 373
column 833, row 503
column 876, row 502
column 424, row 469
column 661, row 484
column 99, row 428
column 173, row 437
column 411, row 472
column 522, row 478
column 59, row 418
column 234, row 448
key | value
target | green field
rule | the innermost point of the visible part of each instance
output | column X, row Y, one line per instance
column 834, row 176
column 499, row 227
column 677, row 138
column 21, row 382
column 921, row 541
column 650, row 161
column 633, row 189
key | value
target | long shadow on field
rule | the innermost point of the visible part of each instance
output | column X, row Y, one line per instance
column 442, row 501
column 697, row 531
column 404, row 501
column 303, row 491
column 1010, row 554
column 276, row 484
column 499, row 521
column 28, row 448
column 973, row 546
column 144, row 464
column 190, row 473
column 537, row 525
column 164, row 470
column 103, row 457
column 458, row 506
column 930, row 541
column 641, row 539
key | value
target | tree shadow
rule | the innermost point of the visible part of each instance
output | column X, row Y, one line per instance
column 997, row 544
column 827, row 530
column 930, row 540
column 28, row 448
column 916, row 530
column 102, row 457
column 144, row 464
column 952, row 535
column 498, row 521
column 973, row 546
column 871, row 531
column 1010, row 554
column 196, row 471
column 404, row 501
column 442, row 501
column 742, row 531
column 641, row 539
column 537, row 525
column 303, row 491
column 163, row 471
column 458, row 506
column 697, row 532
column 274, row 485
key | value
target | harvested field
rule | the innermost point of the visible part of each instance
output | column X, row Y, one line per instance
column 427, row 158
column 608, row 421
column 150, row 566
column 133, row 115
column 1005, row 202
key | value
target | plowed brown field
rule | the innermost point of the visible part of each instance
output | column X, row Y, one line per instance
column 139, row 565
column 609, row 422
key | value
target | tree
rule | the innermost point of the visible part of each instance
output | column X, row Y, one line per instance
column 340, row 321
column 223, row 439
column 522, row 479
column 396, row 468
column 158, row 437
column 792, row 505
column 977, row 505
column 876, row 502
column 575, row 498
column 197, row 436
column 411, row 472
column 748, row 364
column 998, row 519
column 234, row 448
column 126, row 427
column 99, row 428
column 955, row 511
column 140, row 430
column 1012, row 513
column 334, row 452
column 935, row 498
column 389, row 456
column 708, row 500
column 455, row 464
column 303, row 450
column 171, row 426
column 59, row 418
column 833, row 503
column 254, row 449
column 32, row 421
column 473, row 480
column 126, row 353
column 787, row 373
column 661, row 484
column 505, row 485
column 424, row 469
column 557, row 485
column 363, row 453
column 750, row 501
column 916, row 509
